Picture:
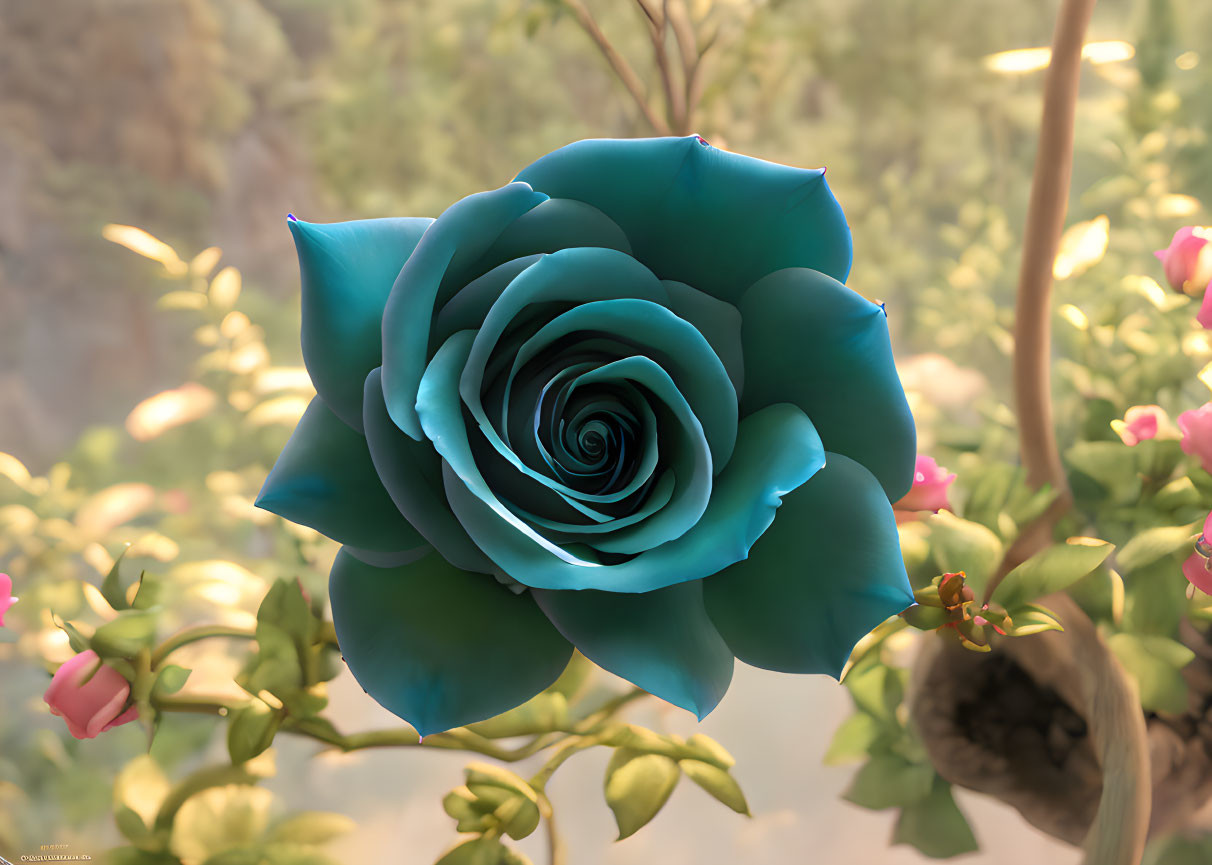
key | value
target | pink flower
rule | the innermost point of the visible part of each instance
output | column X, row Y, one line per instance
column 7, row 598
column 1198, row 566
column 1141, row 422
column 91, row 708
column 1188, row 260
column 928, row 493
column 1196, row 427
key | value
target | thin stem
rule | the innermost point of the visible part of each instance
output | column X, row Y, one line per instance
column 1033, row 308
column 675, row 97
column 618, row 63
column 192, row 635
column 607, row 710
column 557, row 854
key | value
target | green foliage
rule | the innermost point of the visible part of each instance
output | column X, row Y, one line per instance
column 1052, row 570
column 934, row 825
column 1155, row 662
column 637, row 786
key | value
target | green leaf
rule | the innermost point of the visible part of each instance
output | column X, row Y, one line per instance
column 878, row 690
column 460, row 804
column 477, row 851
column 518, row 816
column 708, row 750
column 853, row 739
column 75, row 639
column 280, row 853
column 147, row 593
column 312, row 827
column 111, row 586
column 1179, row 493
column 935, row 825
column 510, row 856
column 1032, row 619
column 888, row 780
column 124, row 636
column 488, row 774
column 170, row 680
column 637, row 787
column 961, row 545
column 134, row 830
column 285, row 607
column 1052, row 570
column 1154, row 662
column 250, row 730
column 1110, row 465
column 718, row 782
column 1153, row 544
column 542, row 713
column 275, row 667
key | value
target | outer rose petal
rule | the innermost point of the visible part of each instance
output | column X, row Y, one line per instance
column 90, row 708
column 458, row 237
column 1195, row 569
column 811, row 341
column 827, row 572
column 662, row 641
column 438, row 646
column 325, row 479
column 709, row 218
column 1196, row 427
column 1204, row 316
column 1187, row 261
column 347, row 270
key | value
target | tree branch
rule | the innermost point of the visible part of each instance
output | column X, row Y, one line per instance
column 618, row 63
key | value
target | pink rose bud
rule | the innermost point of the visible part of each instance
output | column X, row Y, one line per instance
column 1204, row 316
column 929, row 490
column 93, row 707
column 1196, row 427
column 7, row 599
column 1195, row 569
column 1140, row 423
column 1188, row 260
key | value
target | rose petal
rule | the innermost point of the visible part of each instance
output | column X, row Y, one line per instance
column 412, row 475
column 813, row 342
column 438, row 646
column 457, row 238
column 1195, row 569
column 827, row 572
column 325, row 479
column 347, row 271
column 661, row 641
column 717, row 321
column 777, row 450
column 687, row 209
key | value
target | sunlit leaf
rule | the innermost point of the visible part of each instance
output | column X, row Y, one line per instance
column 1081, row 247
column 718, row 782
column 138, row 240
column 225, row 288
column 637, row 787
column 160, row 413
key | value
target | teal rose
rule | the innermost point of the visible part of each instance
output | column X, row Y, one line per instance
column 623, row 404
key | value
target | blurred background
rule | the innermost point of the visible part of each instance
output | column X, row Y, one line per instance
column 204, row 122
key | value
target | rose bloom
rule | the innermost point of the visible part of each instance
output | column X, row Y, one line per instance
column 1196, row 428
column 928, row 493
column 7, row 598
column 1198, row 566
column 624, row 403
column 1188, row 260
column 93, row 707
column 1141, row 423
